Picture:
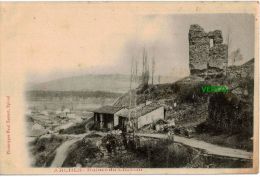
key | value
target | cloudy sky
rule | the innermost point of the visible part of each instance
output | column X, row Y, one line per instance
column 55, row 43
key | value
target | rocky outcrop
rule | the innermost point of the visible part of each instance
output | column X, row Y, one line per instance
column 202, row 55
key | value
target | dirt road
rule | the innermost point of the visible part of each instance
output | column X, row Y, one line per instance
column 63, row 149
column 209, row 148
column 61, row 153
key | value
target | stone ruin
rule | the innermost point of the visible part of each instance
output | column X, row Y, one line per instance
column 207, row 53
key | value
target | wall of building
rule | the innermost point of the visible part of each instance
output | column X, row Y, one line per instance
column 206, row 50
column 150, row 117
column 116, row 116
column 199, row 45
column 103, row 120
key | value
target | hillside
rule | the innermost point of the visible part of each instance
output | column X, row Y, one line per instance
column 107, row 82
column 225, row 114
column 86, row 100
column 179, row 92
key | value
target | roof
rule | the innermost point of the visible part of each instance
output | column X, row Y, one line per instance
column 139, row 111
column 108, row 109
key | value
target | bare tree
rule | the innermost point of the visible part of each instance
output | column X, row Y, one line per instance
column 153, row 69
column 133, row 96
column 228, row 46
column 145, row 71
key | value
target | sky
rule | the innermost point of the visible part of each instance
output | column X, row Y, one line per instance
column 56, row 44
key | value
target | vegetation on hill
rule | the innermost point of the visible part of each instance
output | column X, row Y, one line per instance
column 83, row 152
column 79, row 128
column 149, row 153
column 219, row 113
column 186, row 93
column 44, row 149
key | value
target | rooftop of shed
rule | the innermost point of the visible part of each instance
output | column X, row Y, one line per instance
column 139, row 111
column 107, row 109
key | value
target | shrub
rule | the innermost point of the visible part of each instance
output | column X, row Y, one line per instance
column 83, row 152
column 76, row 129
column 164, row 153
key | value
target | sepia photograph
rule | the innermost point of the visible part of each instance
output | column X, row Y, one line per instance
column 129, row 86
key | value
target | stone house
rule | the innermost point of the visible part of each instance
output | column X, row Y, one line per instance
column 140, row 116
column 104, row 117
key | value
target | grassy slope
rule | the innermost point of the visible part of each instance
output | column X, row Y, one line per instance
column 153, row 153
column 188, row 112
column 192, row 104
column 43, row 149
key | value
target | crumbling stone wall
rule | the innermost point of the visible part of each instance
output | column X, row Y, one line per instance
column 202, row 56
column 198, row 48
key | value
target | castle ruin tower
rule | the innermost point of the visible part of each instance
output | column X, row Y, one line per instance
column 207, row 53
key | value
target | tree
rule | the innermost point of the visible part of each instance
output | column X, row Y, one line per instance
column 145, row 71
column 153, row 69
column 228, row 47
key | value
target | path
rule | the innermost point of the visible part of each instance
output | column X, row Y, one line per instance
column 63, row 149
column 209, row 148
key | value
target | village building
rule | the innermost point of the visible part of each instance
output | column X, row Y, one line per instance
column 112, row 117
column 63, row 113
column 140, row 116
column 104, row 117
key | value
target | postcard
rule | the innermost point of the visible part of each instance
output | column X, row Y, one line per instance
column 129, row 87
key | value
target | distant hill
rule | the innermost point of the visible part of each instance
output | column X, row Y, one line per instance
column 34, row 95
column 109, row 83
column 118, row 83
